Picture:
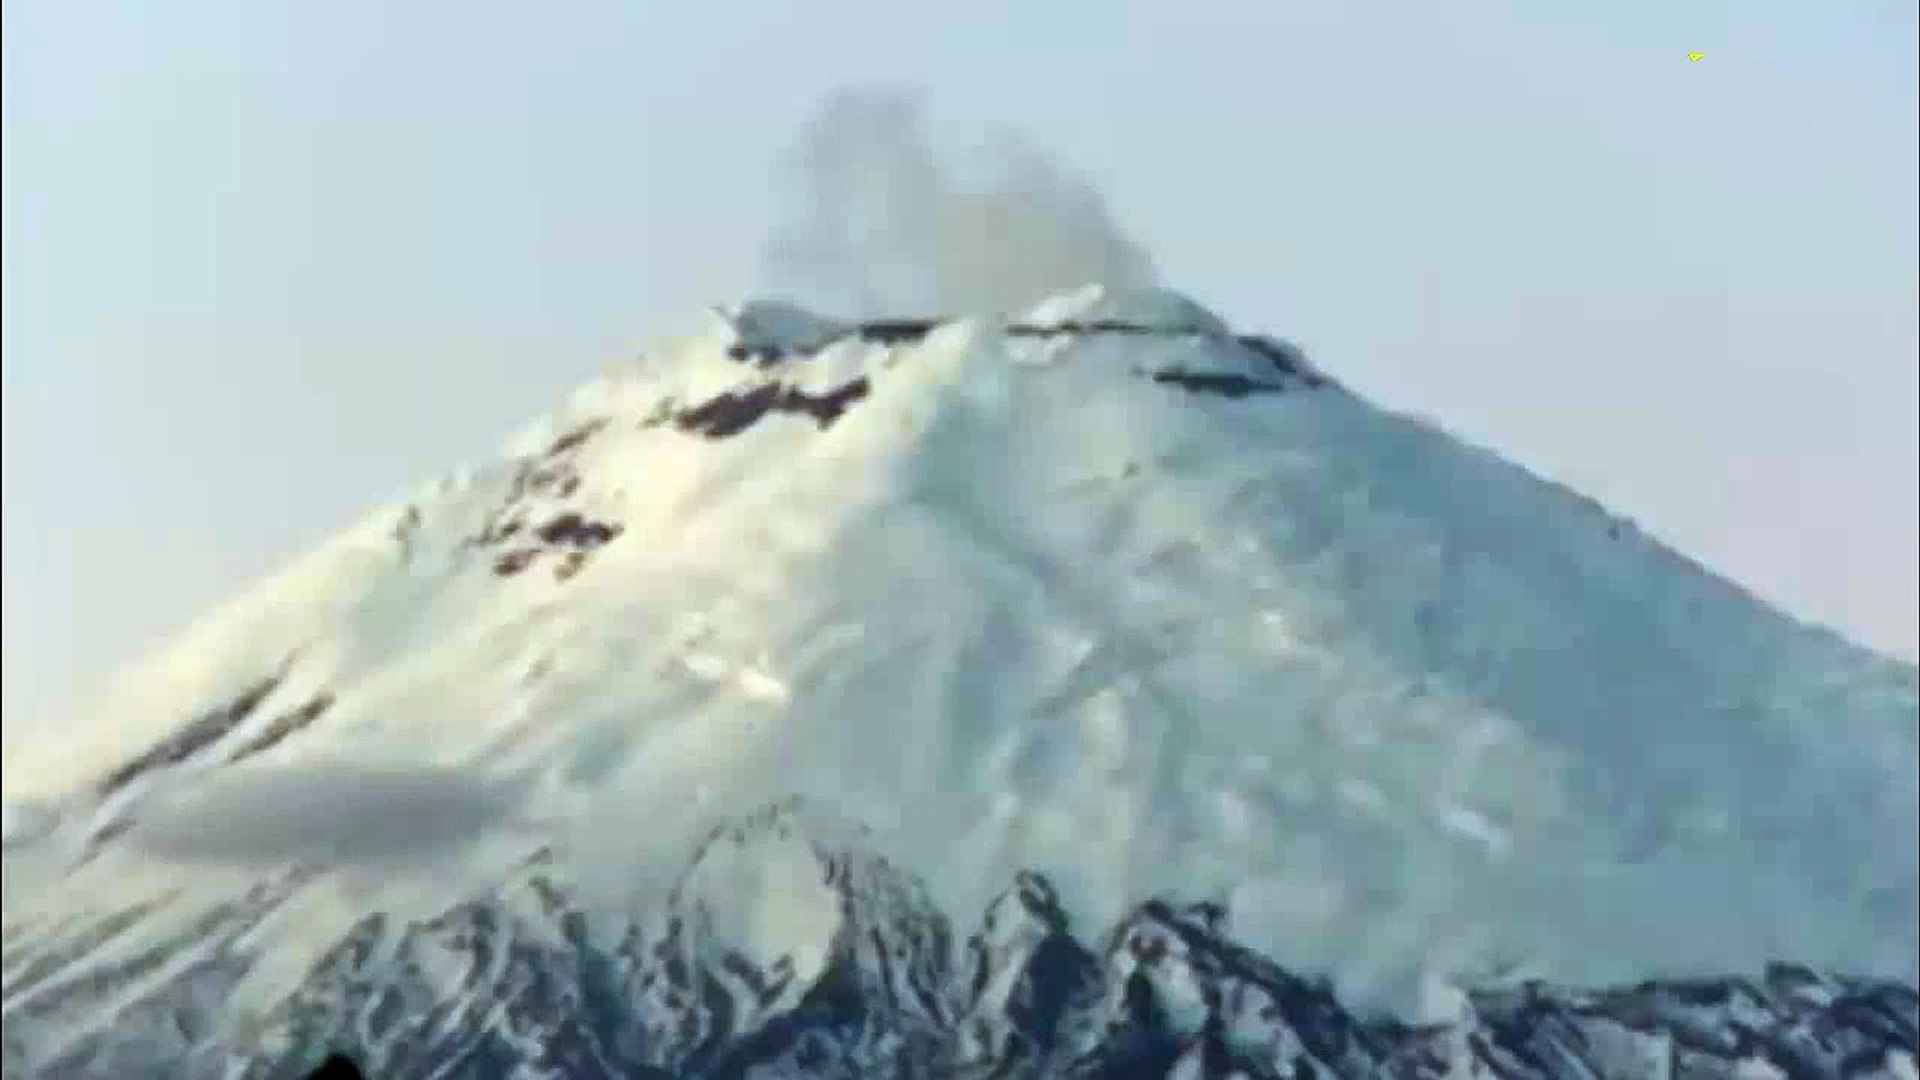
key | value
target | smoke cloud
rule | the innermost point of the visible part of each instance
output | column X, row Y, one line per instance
column 873, row 221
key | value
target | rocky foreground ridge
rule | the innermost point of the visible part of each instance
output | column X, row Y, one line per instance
column 863, row 977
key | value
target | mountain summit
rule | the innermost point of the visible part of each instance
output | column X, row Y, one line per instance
column 1103, row 598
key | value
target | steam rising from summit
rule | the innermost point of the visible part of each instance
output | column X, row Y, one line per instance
column 873, row 221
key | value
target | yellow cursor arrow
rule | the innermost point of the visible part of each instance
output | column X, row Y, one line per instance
column 1695, row 55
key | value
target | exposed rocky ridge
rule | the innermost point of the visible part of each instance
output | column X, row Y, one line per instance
column 522, row 982
column 771, row 334
column 1285, row 357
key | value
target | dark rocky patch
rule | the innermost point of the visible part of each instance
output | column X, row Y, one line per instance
column 404, row 529
column 337, row 1067
column 570, row 565
column 574, row 439
column 570, row 534
column 287, row 723
column 551, row 478
column 574, row 531
column 733, row 412
column 541, row 477
column 896, row 331
column 660, row 414
column 1082, row 329
column 514, row 561
column 1285, row 356
column 497, row 531
column 1227, row 386
column 910, row 331
column 106, row 834
column 201, row 732
column 877, row 332
column 736, row 411
column 758, row 354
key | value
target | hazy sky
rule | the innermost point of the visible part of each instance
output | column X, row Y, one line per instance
column 266, row 264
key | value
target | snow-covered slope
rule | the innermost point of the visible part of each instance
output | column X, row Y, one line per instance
column 1100, row 590
column 874, row 980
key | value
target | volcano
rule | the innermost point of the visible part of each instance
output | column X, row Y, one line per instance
column 685, row 738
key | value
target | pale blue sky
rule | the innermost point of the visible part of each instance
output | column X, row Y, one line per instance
column 266, row 264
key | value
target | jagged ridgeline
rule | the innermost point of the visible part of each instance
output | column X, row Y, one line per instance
column 521, row 982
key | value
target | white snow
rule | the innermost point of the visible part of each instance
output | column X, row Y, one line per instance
column 1146, row 308
column 1386, row 691
column 765, row 900
column 23, row 822
column 777, row 325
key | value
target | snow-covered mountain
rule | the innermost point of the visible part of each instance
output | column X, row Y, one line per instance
column 1100, row 599
column 871, row 979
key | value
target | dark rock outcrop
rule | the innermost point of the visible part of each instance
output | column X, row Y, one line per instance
column 337, row 1067
column 734, row 412
column 872, row 982
column 894, row 993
